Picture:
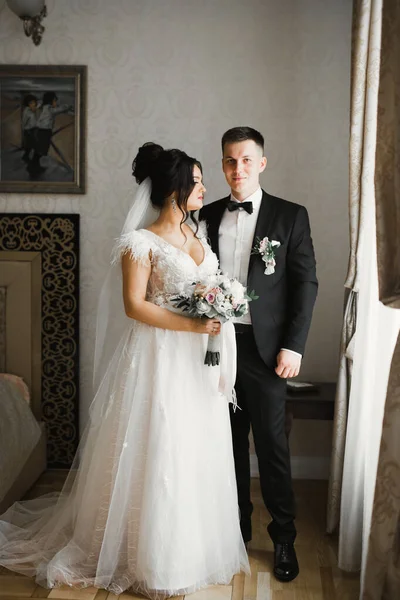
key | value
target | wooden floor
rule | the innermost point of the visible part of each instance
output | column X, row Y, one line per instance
column 319, row 578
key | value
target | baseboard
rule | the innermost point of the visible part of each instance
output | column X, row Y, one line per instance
column 303, row 467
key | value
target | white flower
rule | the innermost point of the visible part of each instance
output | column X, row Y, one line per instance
column 270, row 267
column 269, row 270
column 203, row 308
column 263, row 245
column 268, row 260
column 237, row 291
column 226, row 283
column 223, row 281
column 266, row 249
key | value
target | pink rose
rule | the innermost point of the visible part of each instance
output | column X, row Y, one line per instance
column 210, row 297
column 263, row 244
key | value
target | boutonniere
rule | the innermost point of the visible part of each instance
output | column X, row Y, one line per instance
column 266, row 249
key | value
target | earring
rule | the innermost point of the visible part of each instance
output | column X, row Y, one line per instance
column 173, row 202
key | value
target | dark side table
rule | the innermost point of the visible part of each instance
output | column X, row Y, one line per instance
column 317, row 404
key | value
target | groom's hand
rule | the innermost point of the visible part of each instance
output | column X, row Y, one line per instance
column 288, row 364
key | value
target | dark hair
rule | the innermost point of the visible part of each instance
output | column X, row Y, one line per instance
column 48, row 97
column 29, row 98
column 170, row 171
column 241, row 134
column 144, row 160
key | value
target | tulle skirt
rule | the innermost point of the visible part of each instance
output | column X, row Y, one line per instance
column 152, row 506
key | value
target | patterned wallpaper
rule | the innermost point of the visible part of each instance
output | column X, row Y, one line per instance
column 180, row 72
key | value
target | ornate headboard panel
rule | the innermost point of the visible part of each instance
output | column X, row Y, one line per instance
column 39, row 269
column 20, row 320
column 3, row 291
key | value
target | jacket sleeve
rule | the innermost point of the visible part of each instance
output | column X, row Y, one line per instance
column 302, row 283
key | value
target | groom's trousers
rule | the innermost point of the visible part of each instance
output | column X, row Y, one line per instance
column 261, row 397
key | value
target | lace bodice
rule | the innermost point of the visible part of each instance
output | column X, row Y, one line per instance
column 172, row 268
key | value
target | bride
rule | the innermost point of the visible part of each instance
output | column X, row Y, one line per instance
column 152, row 506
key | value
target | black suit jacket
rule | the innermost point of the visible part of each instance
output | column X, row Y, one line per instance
column 281, row 316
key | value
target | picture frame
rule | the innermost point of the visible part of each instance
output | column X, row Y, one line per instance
column 53, row 240
column 43, row 129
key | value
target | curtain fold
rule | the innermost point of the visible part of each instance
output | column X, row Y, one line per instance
column 381, row 575
column 363, row 119
column 382, row 572
column 374, row 342
column 341, row 408
column 387, row 168
column 364, row 492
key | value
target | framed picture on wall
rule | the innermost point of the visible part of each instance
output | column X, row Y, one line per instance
column 43, row 129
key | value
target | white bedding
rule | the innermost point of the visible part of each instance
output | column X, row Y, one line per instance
column 19, row 433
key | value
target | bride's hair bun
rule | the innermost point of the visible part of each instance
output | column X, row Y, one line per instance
column 144, row 161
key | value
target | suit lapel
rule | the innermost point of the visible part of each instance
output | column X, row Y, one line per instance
column 218, row 209
column 266, row 216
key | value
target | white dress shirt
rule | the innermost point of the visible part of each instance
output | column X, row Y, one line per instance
column 48, row 114
column 28, row 119
column 236, row 233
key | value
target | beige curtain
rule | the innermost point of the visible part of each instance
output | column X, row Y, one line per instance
column 382, row 572
column 341, row 409
column 364, row 492
column 387, row 169
column 364, row 82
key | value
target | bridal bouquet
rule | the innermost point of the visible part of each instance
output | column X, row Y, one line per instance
column 216, row 297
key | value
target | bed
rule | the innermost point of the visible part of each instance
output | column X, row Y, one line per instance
column 22, row 432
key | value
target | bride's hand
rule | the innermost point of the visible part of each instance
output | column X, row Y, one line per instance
column 210, row 326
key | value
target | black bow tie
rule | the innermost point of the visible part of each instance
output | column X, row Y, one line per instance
column 247, row 206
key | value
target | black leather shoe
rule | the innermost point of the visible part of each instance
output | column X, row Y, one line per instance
column 286, row 567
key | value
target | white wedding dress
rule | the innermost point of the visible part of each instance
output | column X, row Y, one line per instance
column 153, row 505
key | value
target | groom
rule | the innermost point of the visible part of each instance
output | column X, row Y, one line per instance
column 271, row 338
